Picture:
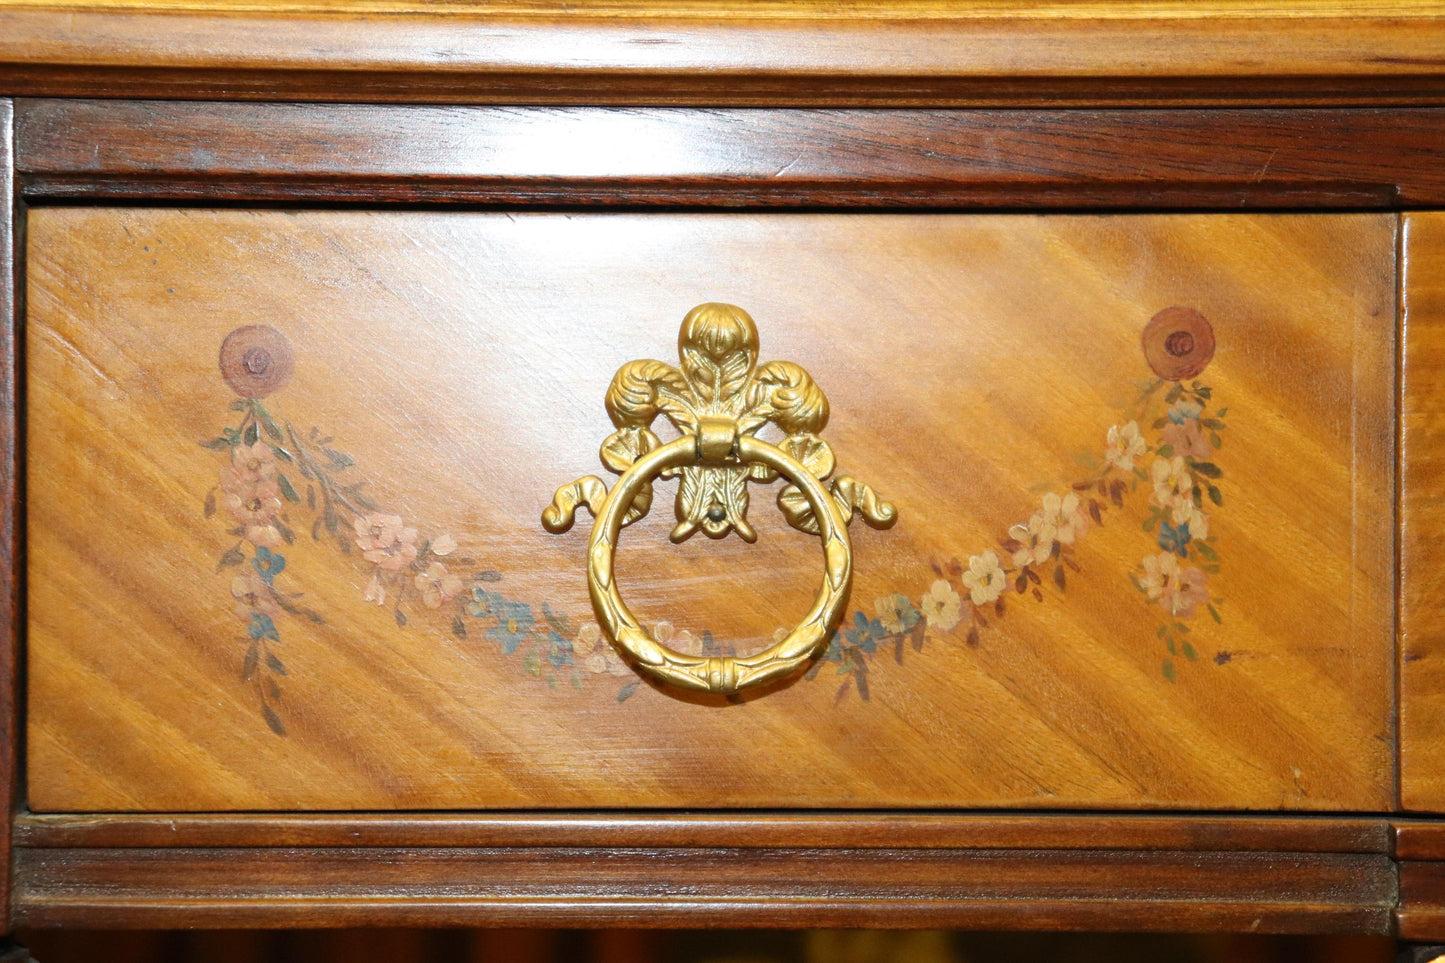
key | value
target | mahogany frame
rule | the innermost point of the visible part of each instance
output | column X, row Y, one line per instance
column 1379, row 873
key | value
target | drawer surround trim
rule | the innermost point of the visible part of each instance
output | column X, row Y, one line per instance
column 1142, row 159
column 1365, row 909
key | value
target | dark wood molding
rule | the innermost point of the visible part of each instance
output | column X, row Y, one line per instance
column 1421, row 911
column 702, row 54
column 1336, row 159
column 11, row 552
column 1156, row 891
column 737, row 830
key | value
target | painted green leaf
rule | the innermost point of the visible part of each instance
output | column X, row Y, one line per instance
column 288, row 492
column 625, row 693
column 252, row 435
column 273, row 720
column 1215, row 495
column 1208, row 469
column 248, row 666
column 1214, row 613
column 216, row 444
column 274, row 664
column 1166, row 451
column 1206, row 550
column 1189, row 652
column 1169, row 669
column 233, row 557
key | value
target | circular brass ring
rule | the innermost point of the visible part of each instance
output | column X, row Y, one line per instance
column 720, row 674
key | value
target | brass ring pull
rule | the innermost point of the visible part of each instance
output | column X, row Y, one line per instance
column 718, row 398
column 722, row 674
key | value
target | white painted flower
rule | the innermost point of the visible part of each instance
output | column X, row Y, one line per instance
column 1032, row 550
column 1185, row 512
column 595, row 654
column 941, row 606
column 1172, row 481
column 1160, row 571
column 679, row 640
column 985, row 579
column 896, row 613
column 1064, row 518
column 1125, row 446
column 443, row 545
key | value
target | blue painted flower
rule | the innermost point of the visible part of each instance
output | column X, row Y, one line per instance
column 268, row 564
column 262, row 627
column 865, row 632
column 1174, row 540
column 559, row 650
column 483, row 602
column 514, row 624
column 835, row 648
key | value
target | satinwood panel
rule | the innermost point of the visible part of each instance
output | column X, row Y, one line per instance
column 1422, row 416
column 285, row 471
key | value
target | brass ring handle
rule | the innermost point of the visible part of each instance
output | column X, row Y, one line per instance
column 718, row 398
column 720, row 674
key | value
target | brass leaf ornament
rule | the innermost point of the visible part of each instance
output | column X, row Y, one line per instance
column 718, row 397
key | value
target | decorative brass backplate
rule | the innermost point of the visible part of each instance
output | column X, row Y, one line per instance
column 718, row 399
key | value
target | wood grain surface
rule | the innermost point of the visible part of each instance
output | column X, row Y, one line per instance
column 1422, row 434
column 973, row 364
column 1044, row 159
column 782, row 53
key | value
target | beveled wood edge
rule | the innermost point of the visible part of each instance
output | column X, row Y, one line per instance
column 761, row 830
column 1159, row 57
column 1165, row 891
column 1338, row 159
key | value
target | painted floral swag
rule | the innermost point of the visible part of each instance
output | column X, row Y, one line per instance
column 1159, row 458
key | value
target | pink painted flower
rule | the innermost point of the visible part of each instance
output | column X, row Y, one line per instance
column 254, row 505
column 1180, row 590
column 252, row 463
column 265, row 536
column 252, row 594
column 1187, row 438
column 438, row 586
column 385, row 541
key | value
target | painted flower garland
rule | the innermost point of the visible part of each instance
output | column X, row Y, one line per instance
column 275, row 474
column 1173, row 460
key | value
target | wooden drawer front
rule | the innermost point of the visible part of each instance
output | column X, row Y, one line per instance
column 203, row 636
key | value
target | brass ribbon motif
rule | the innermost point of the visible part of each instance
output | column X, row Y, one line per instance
column 718, row 399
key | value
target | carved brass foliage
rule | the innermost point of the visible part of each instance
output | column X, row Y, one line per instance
column 718, row 377
column 718, row 398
